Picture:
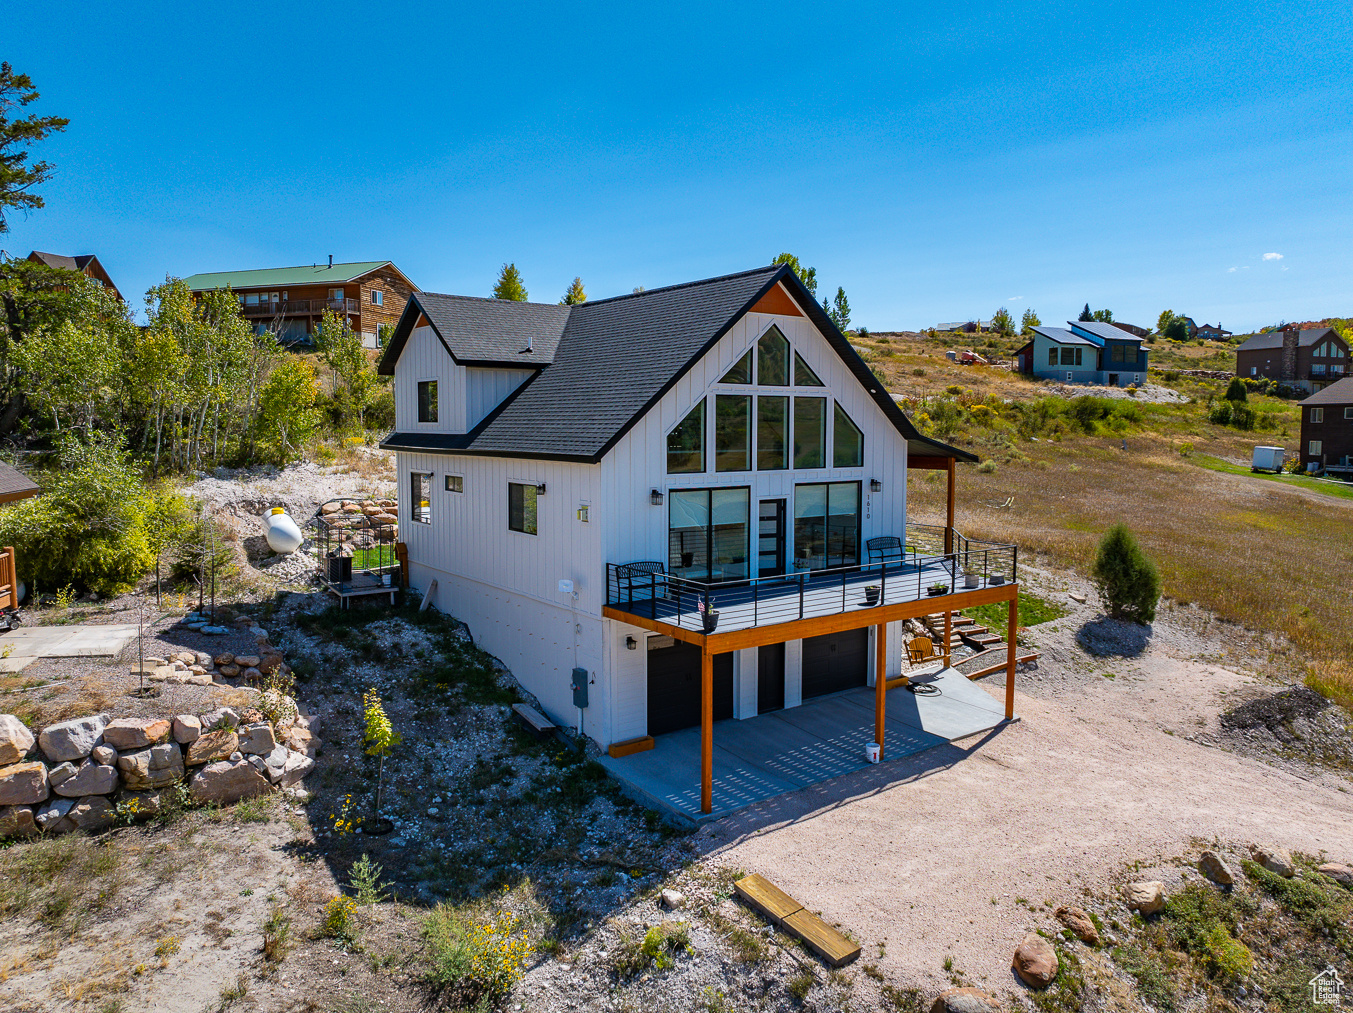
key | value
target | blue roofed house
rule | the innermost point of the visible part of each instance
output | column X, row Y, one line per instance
column 1085, row 352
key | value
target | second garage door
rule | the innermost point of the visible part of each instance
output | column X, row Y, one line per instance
column 674, row 688
column 835, row 662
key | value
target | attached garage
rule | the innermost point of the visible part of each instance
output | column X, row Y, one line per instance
column 674, row 688
column 835, row 662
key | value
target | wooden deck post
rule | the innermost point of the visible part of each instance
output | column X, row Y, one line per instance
column 948, row 635
column 1011, row 628
column 880, row 683
column 707, row 730
column 949, row 513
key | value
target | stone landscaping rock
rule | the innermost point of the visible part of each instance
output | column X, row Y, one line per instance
column 213, row 631
column 187, row 657
column 23, row 783
column 72, row 740
column 1079, row 922
column 224, row 782
column 187, row 728
column 1275, row 860
column 15, row 740
column 1145, row 898
column 1036, row 961
column 269, row 663
column 211, row 746
column 297, row 767
column 247, row 660
column 1214, row 867
column 61, row 772
column 157, row 767
column 252, row 674
column 93, row 813
column 91, row 779
column 228, row 671
column 204, row 679
column 52, row 817
column 672, row 900
column 135, row 733
column 225, row 659
column 146, row 804
column 257, row 738
column 274, row 763
column 17, row 821
column 965, row 1000
column 222, row 717
column 1338, row 872
column 301, row 741
column 1078, row 598
column 106, row 755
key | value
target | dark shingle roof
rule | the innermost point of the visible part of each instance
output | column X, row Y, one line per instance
column 1274, row 339
column 14, row 484
column 1340, row 392
column 477, row 331
column 612, row 362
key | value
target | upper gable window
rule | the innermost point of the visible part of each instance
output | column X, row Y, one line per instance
column 732, row 432
column 772, row 359
column 804, row 375
column 741, row 371
column 686, row 444
column 427, row 400
column 847, row 442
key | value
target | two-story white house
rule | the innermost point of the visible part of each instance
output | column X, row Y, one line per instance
column 721, row 435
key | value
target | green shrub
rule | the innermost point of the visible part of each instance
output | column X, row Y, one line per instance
column 1242, row 415
column 86, row 528
column 1220, row 414
column 1128, row 582
column 987, row 467
column 472, row 958
column 1228, row 959
column 340, row 920
column 1235, row 390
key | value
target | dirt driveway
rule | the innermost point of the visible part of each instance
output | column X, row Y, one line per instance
column 948, row 854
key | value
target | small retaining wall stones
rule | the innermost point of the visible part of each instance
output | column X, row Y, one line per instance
column 71, row 775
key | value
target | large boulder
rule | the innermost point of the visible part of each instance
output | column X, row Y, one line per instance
column 224, row 782
column 257, row 738
column 1338, row 872
column 1079, row 922
column 1036, row 961
column 72, row 740
column 1214, row 867
column 187, row 728
column 1275, row 860
column 93, row 813
column 221, row 717
column 15, row 740
column 90, row 779
column 1146, row 897
column 211, row 746
column 17, row 821
column 274, row 764
column 135, row 733
column 53, row 817
column 298, row 765
column 965, row 1000
column 156, row 767
column 23, row 783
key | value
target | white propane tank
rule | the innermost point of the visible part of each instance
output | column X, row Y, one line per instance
column 283, row 534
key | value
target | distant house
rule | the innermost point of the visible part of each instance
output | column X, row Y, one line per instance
column 1084, row 352
column 86, row 263
column 1308, row 359
column 1141, row 332
column 1193, row 328
column 1327, row 429
column 15, row 485
column 1211, row 332
column 291, row 301
column 964, row 326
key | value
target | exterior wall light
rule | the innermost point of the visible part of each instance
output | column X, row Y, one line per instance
column 655, row 497
column 875, row 485
column 631, row 644
column 540, row 489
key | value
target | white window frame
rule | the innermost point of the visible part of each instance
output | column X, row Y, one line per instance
column 437, row 406
column 1317, row 416
column 1069, row 375
column 454, row 483
column 377, row 297
column 1315, row 448
column 1348, row 413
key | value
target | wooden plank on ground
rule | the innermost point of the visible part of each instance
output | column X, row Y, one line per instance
column 767, row 898
column 630, row 746
column 821, row 938
column 533, row 719
column 992, row 670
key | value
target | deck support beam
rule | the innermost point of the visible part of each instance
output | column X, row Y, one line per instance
column 880, row 682
column 706, row 730
column 948, row 637
column 949, row 512
column 1012, row 626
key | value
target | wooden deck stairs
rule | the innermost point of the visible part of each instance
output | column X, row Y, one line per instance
column 991, row 647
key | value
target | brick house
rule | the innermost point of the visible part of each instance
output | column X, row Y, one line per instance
column 291, row 301
column 1307, row 358
column 86, row 263
column 1327, row 429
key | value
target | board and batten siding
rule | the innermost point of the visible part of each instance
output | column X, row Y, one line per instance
column 486, row 389
column 635, row 529
column 425, row 358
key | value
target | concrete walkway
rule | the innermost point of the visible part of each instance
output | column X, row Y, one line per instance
column 28, row 643
column 786, row 750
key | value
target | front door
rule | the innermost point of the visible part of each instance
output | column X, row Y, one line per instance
column 770, row 678
column 770, row 537
column 1113, row 379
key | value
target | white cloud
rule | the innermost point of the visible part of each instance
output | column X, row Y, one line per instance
column 1230, row 270
column 1015, row 298
column 1273, row 256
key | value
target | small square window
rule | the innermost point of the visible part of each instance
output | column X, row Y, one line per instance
column 1317, row 415
column 1348, row 413
column 427, row 400
column 455, row 483
column 521, row 508
column 377, row 297
column 1314, row 448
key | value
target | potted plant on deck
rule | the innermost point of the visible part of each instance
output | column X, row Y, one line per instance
column 708, row 616
column 871, row 594
column 938, row 588
column 970, row 577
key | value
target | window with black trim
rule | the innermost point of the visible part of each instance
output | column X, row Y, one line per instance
column 732, row 432
column 826, row 525
column 455, row 483
column 1052, row 356
column 847, row 441
column 772, row 433
column 772, row 359
column 810, row 432
column 427, row 400
column 420, row 497
column 709, row 533
column 1348, row 413
column 521, row 508
column 686, row 444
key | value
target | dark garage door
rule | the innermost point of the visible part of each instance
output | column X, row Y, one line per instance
column 674, row 688
column 836, row 661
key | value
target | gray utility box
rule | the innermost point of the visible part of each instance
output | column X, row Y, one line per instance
column 579, row 688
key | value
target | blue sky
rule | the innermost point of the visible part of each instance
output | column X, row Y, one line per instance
column 936, row 160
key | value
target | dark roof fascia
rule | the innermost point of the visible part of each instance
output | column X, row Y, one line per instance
column 425, row 443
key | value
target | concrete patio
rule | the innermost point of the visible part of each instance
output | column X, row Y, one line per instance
column 786, row 750
column 28, row 643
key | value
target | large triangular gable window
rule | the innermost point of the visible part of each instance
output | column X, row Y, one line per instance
column 847, row 441
column 741, row 371
column 772, row 359
column 686, row 444
column 804, row 375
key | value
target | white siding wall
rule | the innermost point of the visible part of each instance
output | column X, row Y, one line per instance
column 425, row 358
column 486, row 389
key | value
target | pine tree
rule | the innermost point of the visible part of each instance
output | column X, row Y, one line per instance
column 1029, row 322
column 807, row 275
column 510, row 285
column 1128, row 582
column 1086, row 314
column 17, row 177
column 839, row 311
column 575, row 294
column 1235, row 390
column 1003, row 323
